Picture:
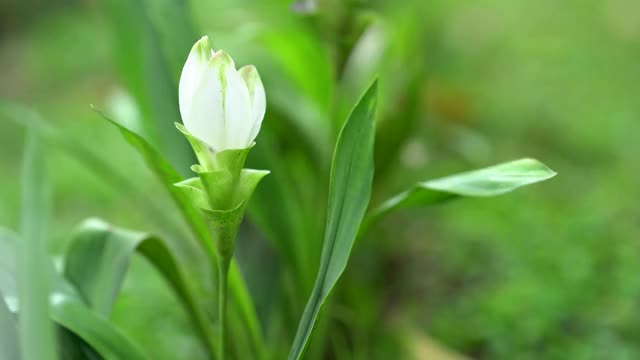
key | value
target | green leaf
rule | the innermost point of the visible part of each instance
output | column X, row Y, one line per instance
column 169, row 176
column 490, row 181
column 98, row 258
column 297, row 185
column 8, row 333
column 95, row 329
column 37, row 340
column 349, row 194
column 65, row 307
column 8, row 267
column 86, row 156
column 148, row 75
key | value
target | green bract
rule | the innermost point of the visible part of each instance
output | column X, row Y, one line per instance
column 221, row 189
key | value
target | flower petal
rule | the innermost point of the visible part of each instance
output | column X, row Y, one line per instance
column 190, row 78
column 257, row 95
column 238, row 121
column 205, row 107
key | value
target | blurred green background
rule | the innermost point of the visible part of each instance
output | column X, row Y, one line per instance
column 552, row 271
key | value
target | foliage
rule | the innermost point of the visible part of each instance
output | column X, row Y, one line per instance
column 461, row 86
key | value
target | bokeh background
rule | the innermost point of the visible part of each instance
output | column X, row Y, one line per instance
column 551, row 271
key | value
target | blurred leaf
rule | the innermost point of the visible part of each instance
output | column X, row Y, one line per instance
column 297, row 50
column 93, row 328
column 490, row 181
column 98, row 258
column 86, row 156
column 65, row 306
column 299, row 80
column 168, row 176
column 8, row 286
column 286, row 224
column 362, row 65
column 36, row 331
column 146, row 72
column 349, row 194
column 8, row 333
column 305, row 7
column 175, row 31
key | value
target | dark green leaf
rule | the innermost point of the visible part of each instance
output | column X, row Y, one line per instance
column 349, row 193
column 37, row 340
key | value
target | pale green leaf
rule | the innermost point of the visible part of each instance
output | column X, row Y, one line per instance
column 37, row 340
column 65, row 307
column 490, row 181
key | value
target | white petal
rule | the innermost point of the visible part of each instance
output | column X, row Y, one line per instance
column 205, row 107
column 257, row 95
column 238, row 120
column 190, row 79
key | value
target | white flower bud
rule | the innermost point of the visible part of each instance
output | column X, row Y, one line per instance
column 220, row 105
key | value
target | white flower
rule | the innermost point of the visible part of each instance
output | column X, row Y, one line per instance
column 220, row 105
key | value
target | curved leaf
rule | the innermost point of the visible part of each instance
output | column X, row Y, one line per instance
column 349, row 193
column 490, row 181
column 168, row 176
column 93, row 328
column 98, row 258
column 65, row 307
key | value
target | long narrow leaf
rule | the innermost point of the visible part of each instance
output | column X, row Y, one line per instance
column 490, row 181
column 35, row 329
column 86, row 156
column 349, row 193
column 8, row 333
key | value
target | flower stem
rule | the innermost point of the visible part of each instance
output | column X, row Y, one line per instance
column 223, row 276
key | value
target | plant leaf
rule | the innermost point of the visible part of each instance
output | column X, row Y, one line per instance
column 86, row 156
column 146, row 71
column 8, row 333
column 168, row 177
column 96, row 330
column 37, row 340
column 65, row 306
column 349, row 193
column 98, row 258
column 489, row 181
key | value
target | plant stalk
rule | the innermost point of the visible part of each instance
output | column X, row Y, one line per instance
column 223, row 276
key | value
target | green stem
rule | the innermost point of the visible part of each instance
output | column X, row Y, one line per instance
column 223, row 276
column 240, row 295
